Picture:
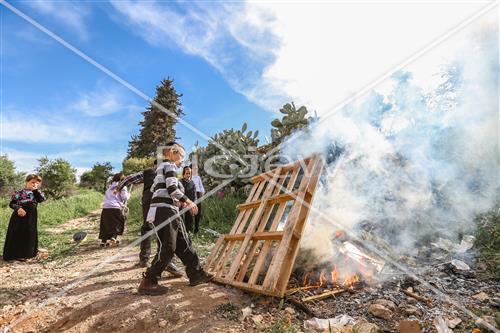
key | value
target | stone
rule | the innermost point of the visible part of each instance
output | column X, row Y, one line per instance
column 386, row 303
column 257, row 319
column 347, row 329
column 409, row 326
column 380, row 311
column 162, row 323
column 365, row 327
column 290, row 310
column 245, row 312
column 482, row 296
column 452, row 323
column 411, row 310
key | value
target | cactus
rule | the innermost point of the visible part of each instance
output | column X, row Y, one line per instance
column 293, row 119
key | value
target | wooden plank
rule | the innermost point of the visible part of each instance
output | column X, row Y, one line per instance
column 277, row 218
column 219, row 257
column 278, row 261
column 293, row 250
column 255, row 219
column 215, row 250
column 245, row 286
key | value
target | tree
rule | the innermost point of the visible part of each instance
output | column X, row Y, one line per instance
column 58, row 176
column 97, row 177
column 134, row 164
column 294, row 119
column 157, row 127
column 10, row 179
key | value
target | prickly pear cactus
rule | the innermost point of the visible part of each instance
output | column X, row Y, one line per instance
column 239, row 160
column 293, row 119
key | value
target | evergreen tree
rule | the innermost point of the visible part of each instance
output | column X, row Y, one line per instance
column 158, row 126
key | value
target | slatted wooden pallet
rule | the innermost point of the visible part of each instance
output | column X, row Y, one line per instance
column 259, row 252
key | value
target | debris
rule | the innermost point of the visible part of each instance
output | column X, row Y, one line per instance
column 324, row 324
column 418, row 297
column 411, row 310
column 452, row 323
column 385, row 302
column 79, row 237
column 245, row 312
column 482, row 296
column 162, row 323
column 441, row 325
column 460, row 265
column 257, row 319
column 290, row 310
column 212, row 232
column 365, row 327
column 380, row 311
column 489, row 320
column 301, row 306
column 409, row 326
column 445, row 244
column 294, row 290
column 323, row 295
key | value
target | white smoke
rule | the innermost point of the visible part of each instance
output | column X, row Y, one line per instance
column 412, row 164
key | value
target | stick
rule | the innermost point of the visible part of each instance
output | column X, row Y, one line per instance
column 418, row 297
column 294, row 290
column 301, row 306
column 323, row 295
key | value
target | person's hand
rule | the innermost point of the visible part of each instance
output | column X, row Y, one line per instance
column 192, row 205
column 21, row 212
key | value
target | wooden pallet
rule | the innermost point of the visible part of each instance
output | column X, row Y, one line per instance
column 259, row 252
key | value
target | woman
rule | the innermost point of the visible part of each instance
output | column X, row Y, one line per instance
column 190, row 192
column 21, row 241
column 112, row 219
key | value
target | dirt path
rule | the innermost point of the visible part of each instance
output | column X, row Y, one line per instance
column 49, row 297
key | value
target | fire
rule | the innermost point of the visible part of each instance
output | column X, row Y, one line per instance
column 333, row 278
column 349, row 281
column 335, row 274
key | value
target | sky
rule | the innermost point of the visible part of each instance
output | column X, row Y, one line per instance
column 233, row 62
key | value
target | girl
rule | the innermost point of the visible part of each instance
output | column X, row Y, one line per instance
column 21, row 241
column 112, row 219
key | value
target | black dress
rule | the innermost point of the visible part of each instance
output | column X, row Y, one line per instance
column 21, row 241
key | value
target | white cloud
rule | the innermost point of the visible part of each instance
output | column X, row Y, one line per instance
column 70, row 14
column 100, row 103
column 316, row 54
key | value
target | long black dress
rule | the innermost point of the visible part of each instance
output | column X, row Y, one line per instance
column 21, row 241
column 190, row 192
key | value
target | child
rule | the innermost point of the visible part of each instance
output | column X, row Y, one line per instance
column 190, row 192
column 21, row 241
column 172, row 237
column 112, row 220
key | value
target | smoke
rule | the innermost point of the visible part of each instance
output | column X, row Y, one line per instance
column 412, row 164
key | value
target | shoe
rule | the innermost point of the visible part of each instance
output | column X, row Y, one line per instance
column 174, row 270
column 150, row 287
column 103, row 244
column 203, row 277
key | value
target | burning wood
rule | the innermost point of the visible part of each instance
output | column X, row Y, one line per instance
column 418, row 297
column 323, row 295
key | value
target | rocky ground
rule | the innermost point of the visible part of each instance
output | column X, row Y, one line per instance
column 94, row 290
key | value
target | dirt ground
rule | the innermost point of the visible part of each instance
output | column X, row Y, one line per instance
column 89, row 292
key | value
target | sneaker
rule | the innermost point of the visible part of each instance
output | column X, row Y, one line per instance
column 103, row 244
column 174, row 270
column 152, row 288
column 203, row 277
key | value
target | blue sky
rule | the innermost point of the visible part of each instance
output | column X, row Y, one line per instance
column 233, row 63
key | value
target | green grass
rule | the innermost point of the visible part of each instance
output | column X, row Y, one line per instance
column 52, row 213
column 488, row 242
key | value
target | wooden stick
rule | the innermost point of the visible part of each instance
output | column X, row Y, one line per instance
column 301, row 306
column 418, row 297
column 323, row 295
column 294, row 290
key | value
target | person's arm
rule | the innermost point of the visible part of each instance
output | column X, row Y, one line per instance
column 124, row 194
column 172, row 183
column 134, row 178
column 13, row 202
column 39, row 195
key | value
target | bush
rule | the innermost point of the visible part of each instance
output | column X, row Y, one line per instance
column 10, row 179
column 488, row 241
column 134, row 164
column 58, row 177
column 220, row 212
column 97, row 177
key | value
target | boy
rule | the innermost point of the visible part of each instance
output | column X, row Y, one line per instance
column 172, row 237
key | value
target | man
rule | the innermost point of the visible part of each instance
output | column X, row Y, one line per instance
column 190, row 191
column 146, row 177
column 200, row 191
column 172, row 237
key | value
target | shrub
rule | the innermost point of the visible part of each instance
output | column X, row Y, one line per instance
column 58, row 177
column 97, row 177
column 134, row 164
column 10, row 179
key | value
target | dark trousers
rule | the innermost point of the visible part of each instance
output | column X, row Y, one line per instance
column 189, row 219
column 173, row 241
column 145, row 228
column 197, row 217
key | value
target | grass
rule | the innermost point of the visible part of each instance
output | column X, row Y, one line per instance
column 488, row 242
column 52, row 213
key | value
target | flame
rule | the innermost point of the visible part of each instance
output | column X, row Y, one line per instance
column 335, row 277
column 334, row 274
column 322, row 279
column 306, row 279
column 350, row 280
